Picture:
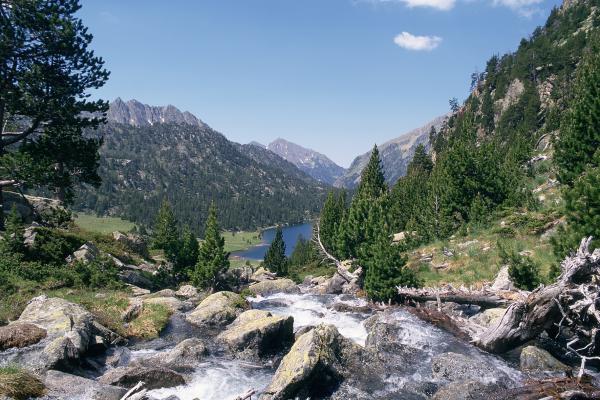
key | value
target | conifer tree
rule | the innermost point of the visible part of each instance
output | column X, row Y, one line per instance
column 421, row 161
column 12, row 240
column 187, row 254
column 331, row 218
column 580, row 130
column 213, row 260
column 372, row 188
column 165, row 235
column 386, row 269
column 275, row 259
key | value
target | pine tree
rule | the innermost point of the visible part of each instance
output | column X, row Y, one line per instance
column 213, row 260
column 275, row 259
column 386, row 269
column 12, row 240
column 331, row 218
column 188, row 251
column 421, row 161
column 580, row 131
column 165, row 235
column 372, row 189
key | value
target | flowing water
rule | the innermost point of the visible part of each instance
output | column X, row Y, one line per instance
column 291, row 234
column 220, row 378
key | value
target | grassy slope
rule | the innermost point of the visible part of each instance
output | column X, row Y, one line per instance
column 236, row 241
column 105, row 225
column 475, row 256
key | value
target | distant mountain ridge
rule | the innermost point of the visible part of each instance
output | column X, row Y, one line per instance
column 312, row 162
column 132, row 112
column 154, row 153
column 395, row 155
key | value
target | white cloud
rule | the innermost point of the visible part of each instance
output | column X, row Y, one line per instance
column 443, row 5
column 417, row 43
column 524, row 7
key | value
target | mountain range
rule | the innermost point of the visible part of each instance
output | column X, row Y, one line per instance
column 154, row 153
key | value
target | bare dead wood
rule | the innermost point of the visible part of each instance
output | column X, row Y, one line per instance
column 569, row 302
column 483, row 299
column 136, row 393
column 8, row 182
column 457, row 326
column 246, row 395
column 550, row 388
column 341, row 269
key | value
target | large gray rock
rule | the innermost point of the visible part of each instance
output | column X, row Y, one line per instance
column 70, row 387
column 86, row 253
column 534, row 359
column 32, row 208
column 257, row 332
column 262, row 274
column 187, row 291
column 335, row 285
column 466, row 390
column 315, row 365
column 458, row 367
column 182, row 358
column 268, row 287
column 71, row 331
column 153, row 377
column 503, row 281
column 488, row 317
column 133, row 242
column 135, row 278
column 218, row 309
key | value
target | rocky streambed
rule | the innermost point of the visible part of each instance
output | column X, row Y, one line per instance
column 280, row 344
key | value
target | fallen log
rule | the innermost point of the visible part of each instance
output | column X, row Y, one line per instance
column 570, row 301
column 246, row 395
column 483, row 299
column 460, row 327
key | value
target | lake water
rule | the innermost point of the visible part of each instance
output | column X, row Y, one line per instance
column 291, row 234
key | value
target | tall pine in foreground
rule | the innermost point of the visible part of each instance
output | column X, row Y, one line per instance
column 275, row 259
column 213, row 260
column 372, row 190
column 331, row 218
column 165, row 234
column 187, row 254
column 578, row 159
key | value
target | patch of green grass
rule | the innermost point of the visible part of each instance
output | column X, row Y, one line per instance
column 104, row 225
column 241, row 262
column 148, row 325
column 315, row 269
column 16, row 383
column 236, row 241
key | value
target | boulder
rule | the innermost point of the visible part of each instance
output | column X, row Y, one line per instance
column 257, row 332
column 153, row 377
column 133, row 242
column 268, row 287
column 315, row 366
column 458, row 367
column 335, row 284
column 133, row 310
column 218, row 309
column 466, row 390
column 187, row 291
column 70, row 332
column 32, row 208
column 136, row 279
column 262, row 274
column 137, row 291
column 182, row 358
column 488, row 317
column 171, row 303
column 66, row 386
column 350, row 308
column 20, row 334
column 86, row 253
column 118, row 357
column 534, row 359
column 503, row 281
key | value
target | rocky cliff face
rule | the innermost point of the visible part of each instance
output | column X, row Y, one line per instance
column 135, row 113
column 313, row 163
column 395, row 155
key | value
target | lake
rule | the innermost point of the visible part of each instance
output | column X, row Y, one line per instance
column 291, row 234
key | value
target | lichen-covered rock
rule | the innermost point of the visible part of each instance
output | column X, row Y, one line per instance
column 70, row 332
column 86, row 253
column 466, row 390
column 61, row 385
column 488, row 317
column 187, row 291
column 153, row 377
column 315, row 365
column 458, row 367
column 20, row 334
column 218, row 309
column 133, row 242
column 171, row 303
column 182, row 358
column 534, row 359
column 269, row 287
column 335, row 284
column 262, row 274
column 503, row 281
column 257, row 332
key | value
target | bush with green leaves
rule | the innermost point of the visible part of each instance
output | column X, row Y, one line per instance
column 523, row 271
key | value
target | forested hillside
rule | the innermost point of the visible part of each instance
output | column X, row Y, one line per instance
column 192, row 165
column 498, row 168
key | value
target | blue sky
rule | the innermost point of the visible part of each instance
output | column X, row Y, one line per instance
column 333, row 75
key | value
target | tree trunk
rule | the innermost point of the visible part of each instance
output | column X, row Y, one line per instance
column 483, row 299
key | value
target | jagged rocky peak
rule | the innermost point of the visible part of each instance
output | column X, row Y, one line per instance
column 311, row 162
column 132, row 112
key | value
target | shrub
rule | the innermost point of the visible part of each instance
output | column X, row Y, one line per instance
column 523, row 271
column 19, row 384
